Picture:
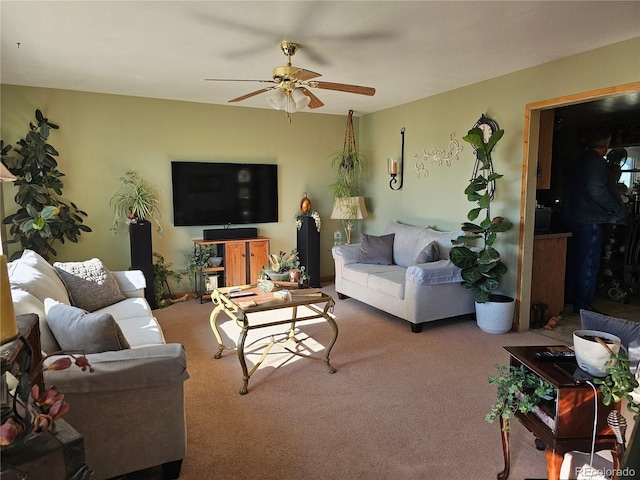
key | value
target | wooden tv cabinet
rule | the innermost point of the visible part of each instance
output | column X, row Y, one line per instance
column 242, row 260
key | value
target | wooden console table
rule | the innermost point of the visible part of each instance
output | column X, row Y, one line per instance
column 570, row 426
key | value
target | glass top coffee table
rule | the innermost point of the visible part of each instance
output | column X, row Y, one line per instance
column 241, row 303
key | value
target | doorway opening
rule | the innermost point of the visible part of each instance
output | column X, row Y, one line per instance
column 535, row 142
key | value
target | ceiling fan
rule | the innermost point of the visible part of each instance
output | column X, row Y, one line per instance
column 291, row 86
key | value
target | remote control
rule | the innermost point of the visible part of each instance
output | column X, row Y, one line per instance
column 240, row 294
column 565, row 355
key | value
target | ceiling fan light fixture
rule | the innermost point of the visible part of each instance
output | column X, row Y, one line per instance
column 278, row 99
column 300, row 99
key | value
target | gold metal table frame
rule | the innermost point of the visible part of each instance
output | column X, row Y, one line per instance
column 238, row 310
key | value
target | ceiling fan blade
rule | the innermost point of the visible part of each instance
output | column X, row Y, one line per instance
column 302, row 74
column 236, row 80
column 315, row 101
column 343, row 87
column 252, row 94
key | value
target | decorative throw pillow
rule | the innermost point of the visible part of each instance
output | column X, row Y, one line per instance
column 430, row 253
column 91, row 286
column 76, row 329
column 376, row 250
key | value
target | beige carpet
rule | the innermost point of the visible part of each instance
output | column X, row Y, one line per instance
column 401, row 406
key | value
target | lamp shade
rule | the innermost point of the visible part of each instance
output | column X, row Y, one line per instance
column 349, row 208
column 278, row 99
column 301, row 100
column 8, row 326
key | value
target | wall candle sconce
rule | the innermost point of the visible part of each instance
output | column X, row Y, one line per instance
column 397, row 168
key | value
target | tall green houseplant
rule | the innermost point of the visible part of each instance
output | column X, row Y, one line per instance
column 481, row 267
column 43, row 217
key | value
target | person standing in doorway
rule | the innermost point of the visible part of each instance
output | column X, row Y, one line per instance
column 590, row 201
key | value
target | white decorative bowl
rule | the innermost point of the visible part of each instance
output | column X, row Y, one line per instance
column 215, row 261
column 590, row 355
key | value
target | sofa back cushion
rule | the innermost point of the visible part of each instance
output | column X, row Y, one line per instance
column 25, row 303
column 410, row 241
column 442, row 239
column 35, row 275
column 405, row 243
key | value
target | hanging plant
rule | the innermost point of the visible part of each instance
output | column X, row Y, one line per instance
column 348, row 165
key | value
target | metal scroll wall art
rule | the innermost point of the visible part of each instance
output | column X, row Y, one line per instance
column 437, row 157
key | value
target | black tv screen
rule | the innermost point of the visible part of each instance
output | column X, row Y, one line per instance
column 224, row 193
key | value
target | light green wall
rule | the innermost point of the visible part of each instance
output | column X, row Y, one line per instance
column 438, row 199
column 102, row 136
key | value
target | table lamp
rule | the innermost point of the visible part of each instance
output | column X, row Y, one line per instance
column 349, row 209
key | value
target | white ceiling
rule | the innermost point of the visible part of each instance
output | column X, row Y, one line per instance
column 406, row 50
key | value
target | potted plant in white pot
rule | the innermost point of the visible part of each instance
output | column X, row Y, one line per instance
column 481, row 265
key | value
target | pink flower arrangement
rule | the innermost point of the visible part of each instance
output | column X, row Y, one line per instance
column 34, row 411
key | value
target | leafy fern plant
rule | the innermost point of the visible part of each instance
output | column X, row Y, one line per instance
column 519, row 390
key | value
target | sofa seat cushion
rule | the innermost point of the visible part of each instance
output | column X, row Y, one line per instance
column 77, row 329
column 390, row 282
column 128, row 308
column 91, row 286
column 388, row 279
column 35, row 275
column 142, row 331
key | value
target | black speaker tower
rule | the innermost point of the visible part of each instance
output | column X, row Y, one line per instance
column 142, row 256
column 309, row 249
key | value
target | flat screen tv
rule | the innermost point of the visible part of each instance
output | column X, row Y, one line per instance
column 224, row 193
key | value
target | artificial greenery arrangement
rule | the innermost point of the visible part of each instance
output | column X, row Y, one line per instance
column 481, row 268
column 135, row 201
column 348, row 165
column 161, row 274
column 519, row 390
column 197, row 260
column 43, row 217
column 619, row 382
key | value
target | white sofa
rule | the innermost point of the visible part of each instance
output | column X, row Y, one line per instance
column 415, row 292
column 130, row 410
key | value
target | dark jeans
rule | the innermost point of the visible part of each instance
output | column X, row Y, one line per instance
column 584, row 250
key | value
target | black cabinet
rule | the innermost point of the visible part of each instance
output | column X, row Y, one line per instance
column 309, row 249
